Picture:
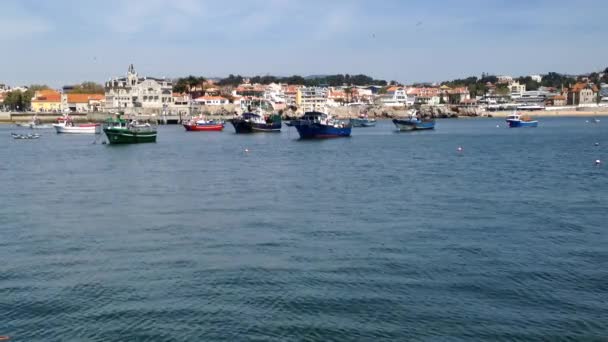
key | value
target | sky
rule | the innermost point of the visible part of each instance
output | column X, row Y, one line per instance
column 68, row 41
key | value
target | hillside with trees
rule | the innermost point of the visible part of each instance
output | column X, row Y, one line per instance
column 330, row 80
column 87, row 88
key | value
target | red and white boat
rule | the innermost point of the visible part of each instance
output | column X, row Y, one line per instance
column 200, row 124
column 66, row 125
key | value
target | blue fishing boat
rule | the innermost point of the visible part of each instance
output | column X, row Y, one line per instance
column 363, row 121
column 317, row 125
column 414, row 123
column 518, row 120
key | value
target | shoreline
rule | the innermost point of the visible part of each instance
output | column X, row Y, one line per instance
column 100, row 117
column 553, row 113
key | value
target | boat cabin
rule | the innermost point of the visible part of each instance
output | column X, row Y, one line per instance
column 253, row 117
column 317, row 117
column 519, row 117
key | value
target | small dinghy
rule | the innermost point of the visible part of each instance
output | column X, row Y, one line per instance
column 25, row 136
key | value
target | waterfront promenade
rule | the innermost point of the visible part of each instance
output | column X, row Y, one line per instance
column 339, row 112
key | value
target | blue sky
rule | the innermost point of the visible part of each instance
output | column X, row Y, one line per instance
column 64, row 41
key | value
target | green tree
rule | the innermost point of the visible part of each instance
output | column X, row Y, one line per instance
column 502, row 89
column 87, row 88
column 12, row 100
column 187, row 84
column 556, row 80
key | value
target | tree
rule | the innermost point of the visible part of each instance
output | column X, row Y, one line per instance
column 231, row 80
column 87, row 88
column 529, row 82
column 502, row 89
column 556, row 80
column 187, row 84
column 13, row 100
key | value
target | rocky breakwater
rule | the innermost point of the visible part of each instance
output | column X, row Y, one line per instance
column 381, row 112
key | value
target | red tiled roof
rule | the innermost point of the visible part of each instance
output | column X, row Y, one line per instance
column 426, row 92
column 47, row 95
column 84, row 98
column 580, row 86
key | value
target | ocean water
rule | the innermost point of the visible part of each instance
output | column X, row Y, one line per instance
column 383, row 236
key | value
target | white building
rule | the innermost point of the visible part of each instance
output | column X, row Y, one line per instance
column 311, row 99
column 504, row 79
column 138, row 95
column 516, row 89
column 274, row 94
column 212, row 100
column 397, row 97
column 536, row 78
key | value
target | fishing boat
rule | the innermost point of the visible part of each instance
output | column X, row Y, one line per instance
column 518, row 120
column 315, row 125
column 200, row 124
column 65, row 124
column 363, row 121
column 25, row 136
column 120, row 131
column 414, row 122
column 256, row 122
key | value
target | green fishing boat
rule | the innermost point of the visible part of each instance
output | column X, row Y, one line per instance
column 120, row 131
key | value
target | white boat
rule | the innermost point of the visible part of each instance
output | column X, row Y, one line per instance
column 66, row 125
column 25, row 136
column 35, row 123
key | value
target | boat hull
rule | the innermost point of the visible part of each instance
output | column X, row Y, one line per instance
column 82, row 129
column 125, row 136
column 204, row 128
column 243, row 126
column 519, row 123
column 413, row 125
column 318, row 131
column 362, row 122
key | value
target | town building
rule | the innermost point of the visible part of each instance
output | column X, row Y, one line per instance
column 82, row 103
column 454, row 95
column 504, row 79
column 396, row 96
column 516, row 89
column 311, row 99
column 212, row 100
column 133, row 94
column 290, row 93
column 582, row 94
column 556, row 101
column 335, row 97
column 536, row 78
column 46, row 100
column 274, row 94
column 246, row 89
column 426, row 95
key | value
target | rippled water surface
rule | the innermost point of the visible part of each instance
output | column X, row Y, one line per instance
column 381, row 236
